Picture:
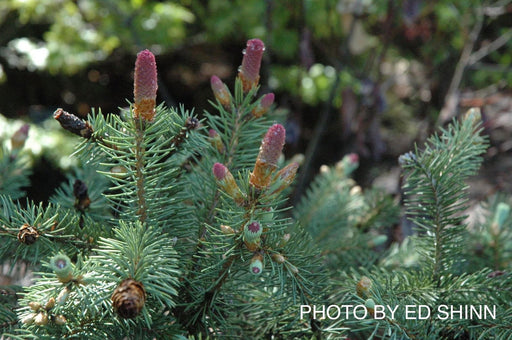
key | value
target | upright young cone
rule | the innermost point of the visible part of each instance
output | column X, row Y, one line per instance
column 145, row 86
column 227, row 182
column 285, row 176
column 220, row 91
column 216, row 140
column 249, row 71
column 266, row 162
column 264, row 105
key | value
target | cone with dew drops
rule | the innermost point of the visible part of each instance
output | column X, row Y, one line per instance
column 249, row 71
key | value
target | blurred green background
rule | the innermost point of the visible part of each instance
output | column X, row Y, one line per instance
column 365, row 76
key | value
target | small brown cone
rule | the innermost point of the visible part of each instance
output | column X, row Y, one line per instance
column 28, row 234
column 73, row 124
column 128, row 298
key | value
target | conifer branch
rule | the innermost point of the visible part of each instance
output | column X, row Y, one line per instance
column 191, row 123
column 435, row 188
column 235, row 131
column 140, row 150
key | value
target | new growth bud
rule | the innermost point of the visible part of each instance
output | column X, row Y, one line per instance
column 61, row 265
column 348, row 164
column 227, row 182
column 28, row 319
column 41, row 319
column 363, row 287
column 284, row 240
column 35, row 306
column 278, row 258
column 370, row 305
column 294, row 270
column 266, row 162
column 252, row 232
column 60, row 320
column 256, row 265
column 500, row 216
column 227, row 230
column 216, row 141
column 377, row 241
column 264, row 105
column 249, row 72
column 474, row 115
column 63, row 296
column 145, row 86
column 221, row 92
column 50, row 303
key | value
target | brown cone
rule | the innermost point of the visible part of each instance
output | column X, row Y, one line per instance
column 128, row 299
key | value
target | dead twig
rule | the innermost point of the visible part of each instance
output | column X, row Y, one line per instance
column 450, row 100
column 489, row 48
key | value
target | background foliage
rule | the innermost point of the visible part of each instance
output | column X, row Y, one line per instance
column 393, row 64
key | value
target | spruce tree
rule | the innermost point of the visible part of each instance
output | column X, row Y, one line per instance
column 177, row 225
